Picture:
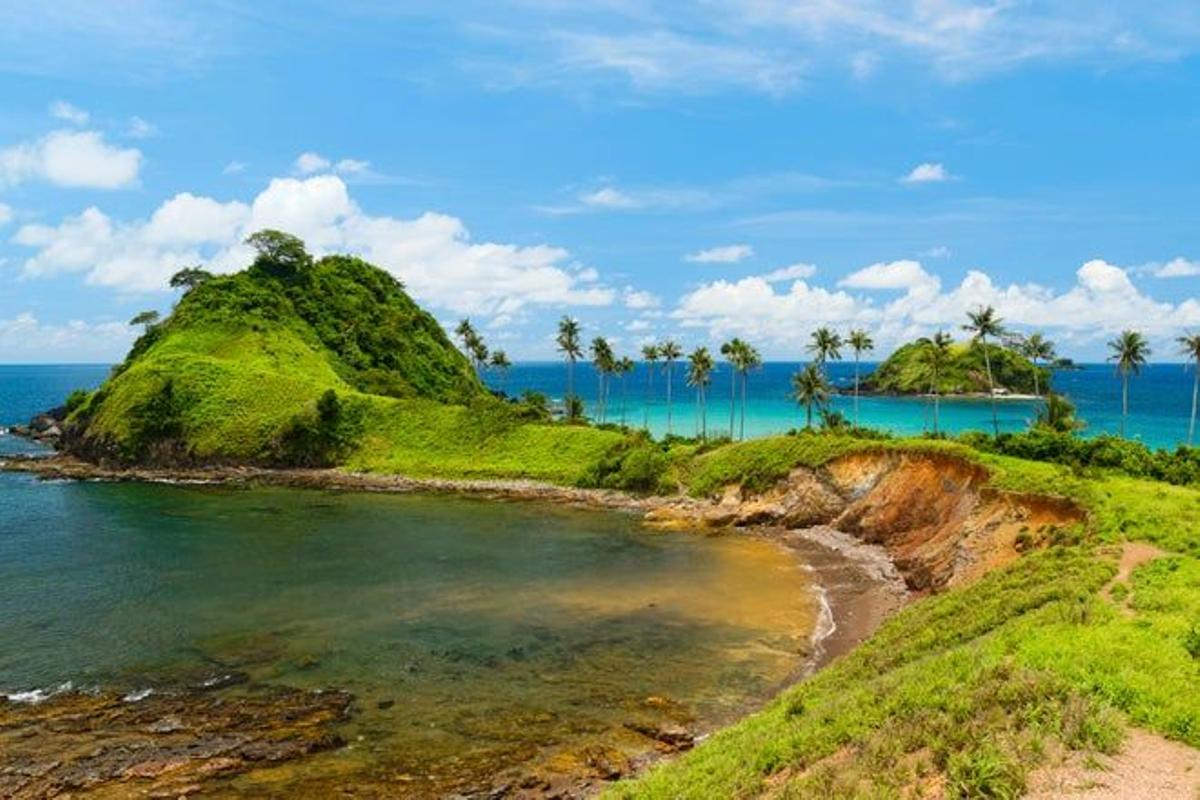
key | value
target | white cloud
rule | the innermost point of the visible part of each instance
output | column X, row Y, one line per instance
column 792, row 272
column 71, row 158
column 1178, row 268
column 140, row 129
column 940, row 251
column 6, row 214
column 25, row 339
column 1102, row 301
column 608, row 197
column 639, row 325
column 308, row 163
column 433, row 254
column 728, row 254
column 863, row 64
column 352, row 166
column 234, row 168
column 60, row 109
column 637, row 299
column 927, row 173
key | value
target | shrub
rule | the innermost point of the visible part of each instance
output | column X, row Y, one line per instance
column 323, row 436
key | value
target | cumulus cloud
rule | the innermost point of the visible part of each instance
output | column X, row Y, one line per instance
column 71, row 158
column 1178, row 268
column 637, row 299
column 433, row 254
column 25, row 338
column 927, row 173
column 60, row 109
column 308, row 163
column 729, row 254
column 790, row 273
column 1101, row 301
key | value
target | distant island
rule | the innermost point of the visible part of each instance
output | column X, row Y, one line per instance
column 964, row 373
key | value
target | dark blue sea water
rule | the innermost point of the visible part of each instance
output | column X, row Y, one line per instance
column 1159, row 399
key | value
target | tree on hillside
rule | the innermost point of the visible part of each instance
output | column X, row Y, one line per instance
column 732, row 352
column 605, row 363
column 1189, row 347
column 146, row 319
column 189, row 278
column 749, row 359
column 699, row 374
column 1037, row 349
column 624, row 366
column 280, row 254
column 1057, row 414
column 809, row 388
column 860, row 342
column 650, row 355
column 1130, row 351
column 501, row 364
column 472, row 343
column 983, row 323
column 670, row 351
column 569, row 345
column 826, row 346
column 934, row 357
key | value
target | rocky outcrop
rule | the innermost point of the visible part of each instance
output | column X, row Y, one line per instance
column 934, row 514
column 46, row 428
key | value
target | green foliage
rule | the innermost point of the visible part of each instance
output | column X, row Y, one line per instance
column 189, row 278
column 156, row 419
column 280, row 255
column 75, row 400
column 964, row 371
column 636, row 464
column 984, row 772
column 323, row 436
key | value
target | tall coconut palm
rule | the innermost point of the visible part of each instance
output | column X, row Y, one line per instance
column 670, row 352
column 699, row 375
column 1189, row 346
column 604, row 362
column 1130, row 351
column 749, row 360
column 983, row 323
column 623, row 367
column 650, row 355
column 860, row 342
column 809, row 388
column 1037, row 348
column 501, row 364
column 472, row 344
column 568, row 344
column 934, row 355
column 732, row 351
column 826, row 346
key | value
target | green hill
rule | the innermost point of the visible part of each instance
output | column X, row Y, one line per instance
column 903, row 372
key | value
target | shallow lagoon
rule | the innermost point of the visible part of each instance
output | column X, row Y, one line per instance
column 477, row 636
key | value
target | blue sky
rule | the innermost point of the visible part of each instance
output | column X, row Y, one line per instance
column 695, row 170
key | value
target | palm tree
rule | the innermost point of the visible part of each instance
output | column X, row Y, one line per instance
column 623, row 367
column 1037, row 348
column 568, row 345
column 934, row 356
column 650, row 355
column 1189, row 346
column 983, row 323
column 699, row 374
column 861, row 342
column 472, row 343
column 604, row 361
column 501, row 364
column 733, row 351
column 826, row 346
column 670, row 351
column 749, row 359
column 1129, row 351
column 810, row 388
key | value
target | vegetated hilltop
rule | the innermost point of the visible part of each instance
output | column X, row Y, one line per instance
column 235, row 372
column 904, row 371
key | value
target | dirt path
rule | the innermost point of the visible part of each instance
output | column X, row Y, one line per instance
column 1133, row 555
column 1149, row 766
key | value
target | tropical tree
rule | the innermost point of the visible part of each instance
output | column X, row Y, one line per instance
column 1057, row 414
column 624, row 366
column 280, row 254
column 146, row 319
column 748, row 360
column 733, row 351
column 1130, row 351
column 809, row 388
column 189, row 278
column 604, row 361
column 699, row 375
column 670, row 352
column 860, row 342
column 981, row 324
column 501, row 364
column 1037, row 349
column 826, row 346
column 472, row 344
column 650, row 355
column 934, row 355
column 568, row 344
column 1189, row 346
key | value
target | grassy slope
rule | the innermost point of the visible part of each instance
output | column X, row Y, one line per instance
column 969, row 685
